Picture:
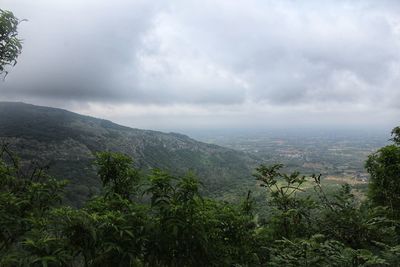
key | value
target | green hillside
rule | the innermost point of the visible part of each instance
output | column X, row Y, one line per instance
column 65, row 142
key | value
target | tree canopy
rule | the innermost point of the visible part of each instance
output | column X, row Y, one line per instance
column 384, row 168
column 10, row 44
column 157, row 219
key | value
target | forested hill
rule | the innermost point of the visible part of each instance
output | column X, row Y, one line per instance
column 66, row 142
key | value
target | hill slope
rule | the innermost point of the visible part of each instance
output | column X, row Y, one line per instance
column 66, row 142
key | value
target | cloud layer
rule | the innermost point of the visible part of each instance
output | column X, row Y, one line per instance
column 211, row 63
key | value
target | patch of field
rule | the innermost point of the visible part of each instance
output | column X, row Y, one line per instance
column 343, row 180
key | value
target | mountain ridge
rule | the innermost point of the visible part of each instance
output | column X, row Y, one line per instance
column 67, row 141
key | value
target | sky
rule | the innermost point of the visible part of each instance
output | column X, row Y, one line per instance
column 211, row 64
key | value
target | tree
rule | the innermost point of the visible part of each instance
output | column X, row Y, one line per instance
column 26, row 199
column 384, row 168
column 117, row 174
column 10, row 44
column 290, row 214
column 396, row 135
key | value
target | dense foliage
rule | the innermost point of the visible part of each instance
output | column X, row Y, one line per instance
column 158, row 219
column 384, row 168
column 10, row 44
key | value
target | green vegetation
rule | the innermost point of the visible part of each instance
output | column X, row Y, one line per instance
column 159, row 219
column 10, row 44
column 384, row 168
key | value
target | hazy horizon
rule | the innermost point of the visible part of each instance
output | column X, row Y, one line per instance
column 198, row 66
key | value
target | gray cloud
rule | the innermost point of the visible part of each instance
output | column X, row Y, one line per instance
column 231, row 54
column 75, row 50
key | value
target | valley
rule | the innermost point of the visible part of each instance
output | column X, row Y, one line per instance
column 335, row 153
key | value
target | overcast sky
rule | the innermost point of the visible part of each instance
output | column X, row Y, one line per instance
column 211, row 64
